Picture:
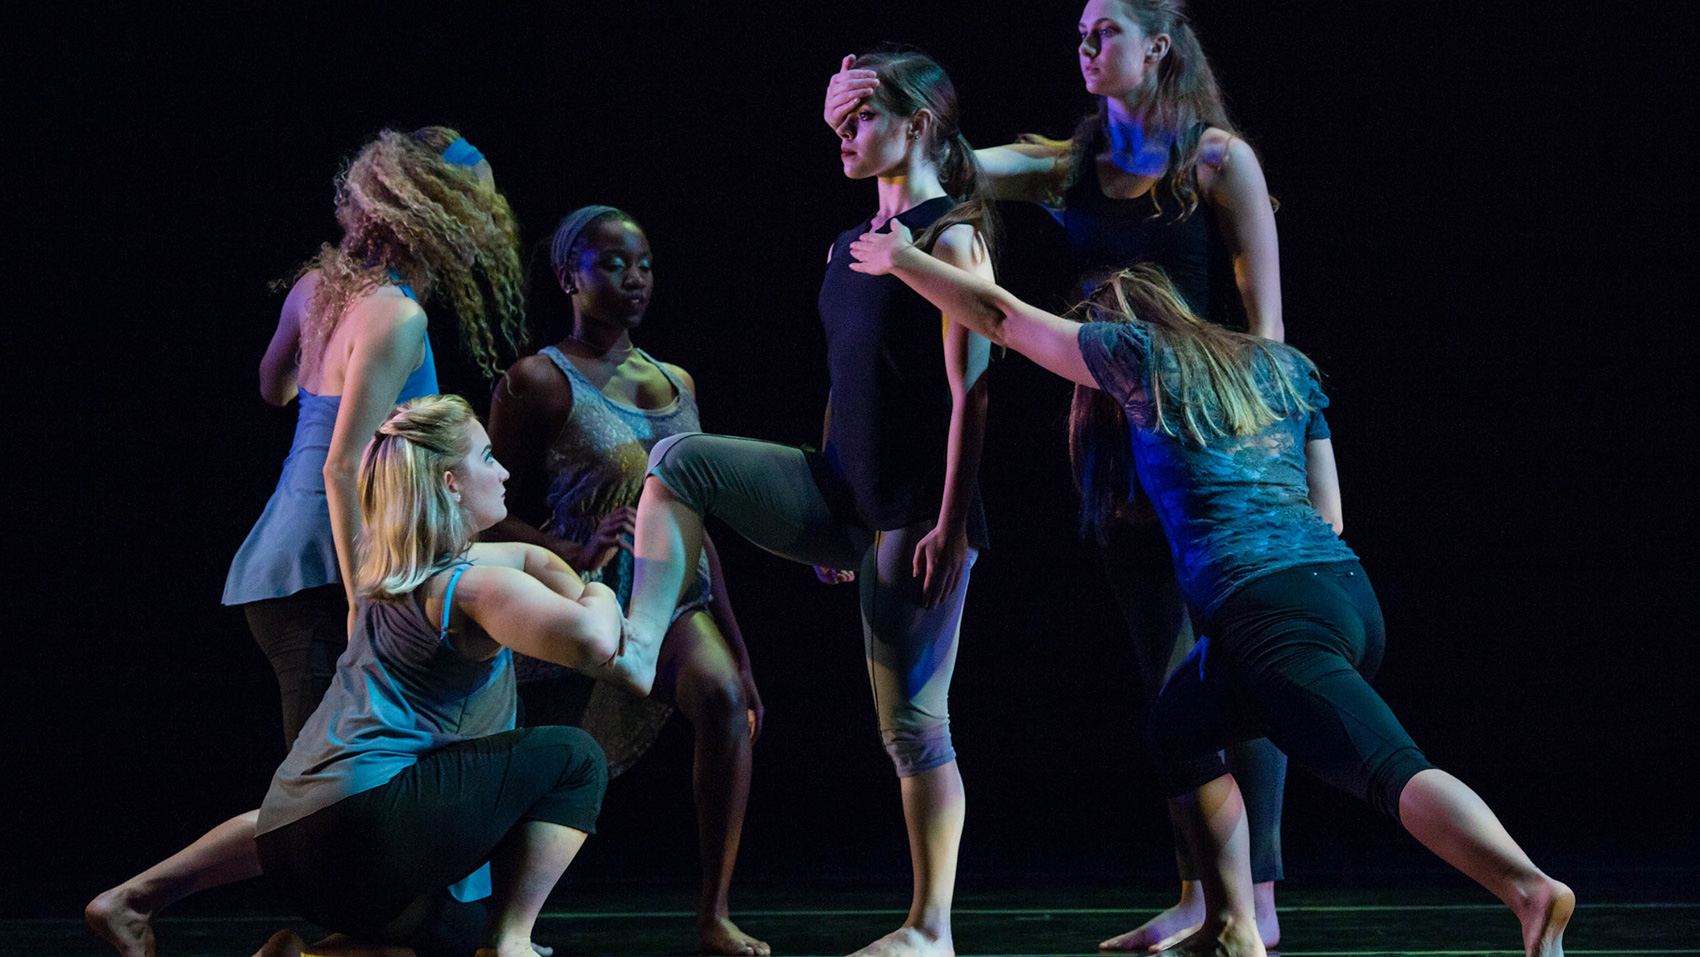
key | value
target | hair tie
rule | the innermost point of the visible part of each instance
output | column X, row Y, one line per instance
column 567, row 233
column 462, row 153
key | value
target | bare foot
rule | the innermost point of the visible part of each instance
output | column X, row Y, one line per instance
column 1221, row 940
column 1164, row 930
column 908, row 942
column 284, row 943
column 510, row 950
column 119, row 917
column 722, row 937
column 1544, row 915
column 1268, row 922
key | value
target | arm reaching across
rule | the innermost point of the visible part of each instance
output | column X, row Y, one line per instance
column 542, row 609
column 978, row 304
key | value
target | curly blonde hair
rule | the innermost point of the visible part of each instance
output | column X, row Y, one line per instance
column 409, row 216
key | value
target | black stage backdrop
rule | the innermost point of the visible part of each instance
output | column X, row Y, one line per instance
column 1485, row 218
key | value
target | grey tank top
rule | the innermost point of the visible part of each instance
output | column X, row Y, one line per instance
column 401, row 691
column 598, row 461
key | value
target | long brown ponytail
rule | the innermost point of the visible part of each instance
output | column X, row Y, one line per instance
column 911, row 81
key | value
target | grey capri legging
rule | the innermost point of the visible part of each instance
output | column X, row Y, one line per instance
column 778, row 496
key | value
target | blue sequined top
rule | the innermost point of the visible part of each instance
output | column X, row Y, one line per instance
column 1233, row 510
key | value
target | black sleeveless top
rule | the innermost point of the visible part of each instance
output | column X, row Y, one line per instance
column 1106, row 235
column 890, row 396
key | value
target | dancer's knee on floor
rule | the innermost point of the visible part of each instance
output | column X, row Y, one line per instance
column 920, row 748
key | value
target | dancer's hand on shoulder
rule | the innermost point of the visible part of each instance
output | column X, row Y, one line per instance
column 876, row 253
column 846, row 91
column 834, row 576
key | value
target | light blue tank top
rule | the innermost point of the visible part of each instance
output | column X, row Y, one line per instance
column 401, row 691
column 291, row 548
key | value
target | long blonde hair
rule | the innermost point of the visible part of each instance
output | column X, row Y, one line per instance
column 408, row 215
column 1203, row 384
column 410, row 522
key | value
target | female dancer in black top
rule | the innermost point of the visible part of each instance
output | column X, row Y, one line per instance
column 1227, row 433
column 1156, row 174
column 893, row 498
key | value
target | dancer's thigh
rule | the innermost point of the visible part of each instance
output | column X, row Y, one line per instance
column 769, row 493
column 911, row 649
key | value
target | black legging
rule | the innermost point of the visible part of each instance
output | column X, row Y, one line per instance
column 1142, row 580
column 302, row 635
column 378, row 864
column 1289, row 656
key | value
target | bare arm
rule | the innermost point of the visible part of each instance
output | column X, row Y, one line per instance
column 282, row 361
column 1324, row 482
column 1031, row 171
column 1233, row 184
column 941, row 556
column 522, row 612
column 390, row 344
column 979, row 304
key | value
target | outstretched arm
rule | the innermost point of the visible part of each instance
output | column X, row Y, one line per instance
column 1032, row 170
column 979, row 304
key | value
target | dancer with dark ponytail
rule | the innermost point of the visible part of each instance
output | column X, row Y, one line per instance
column 576, row 422
column 893, row 501
column 1227, row 432
column 1156, row 174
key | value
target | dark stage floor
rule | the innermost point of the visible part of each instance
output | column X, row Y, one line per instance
column 1620, row 917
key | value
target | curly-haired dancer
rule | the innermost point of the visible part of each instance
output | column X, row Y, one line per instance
column 421, row 220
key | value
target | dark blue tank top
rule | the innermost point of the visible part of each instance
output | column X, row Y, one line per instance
column 1106, row 235
column 891, row 399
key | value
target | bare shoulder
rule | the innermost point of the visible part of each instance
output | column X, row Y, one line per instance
column 683, row 376
column 531, row 376
column 1221, row 152
column 960, row 245
column 383, row 312
column 304, row 287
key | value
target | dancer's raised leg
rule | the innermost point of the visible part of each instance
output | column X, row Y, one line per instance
column 665, row 550
column 123, row 915
column 1454, row 822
